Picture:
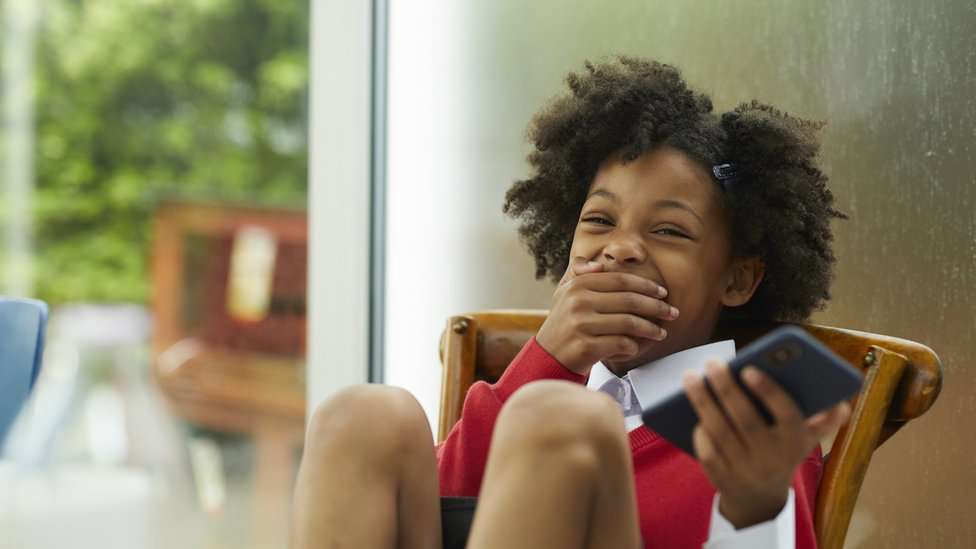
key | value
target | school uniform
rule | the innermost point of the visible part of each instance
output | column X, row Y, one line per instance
column 677, row 505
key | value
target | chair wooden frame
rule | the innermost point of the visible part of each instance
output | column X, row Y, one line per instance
column 224, row 389
column 902, row 381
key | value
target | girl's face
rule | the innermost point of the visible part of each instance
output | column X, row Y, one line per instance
column 660, row 217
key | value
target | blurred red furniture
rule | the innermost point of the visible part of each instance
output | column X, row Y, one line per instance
column 218, row 371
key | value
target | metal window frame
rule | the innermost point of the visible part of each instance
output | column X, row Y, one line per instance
column 347, row 190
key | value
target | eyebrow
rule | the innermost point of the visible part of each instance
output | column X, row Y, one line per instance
column 678, row 204
column 667, row 203
column 604, row 193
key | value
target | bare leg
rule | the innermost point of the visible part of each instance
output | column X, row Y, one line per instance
column 368, row 477
column 559, row 474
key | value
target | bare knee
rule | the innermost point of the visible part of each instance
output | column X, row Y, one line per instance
column 562, row 420
column 564, row 406
column 369, row 418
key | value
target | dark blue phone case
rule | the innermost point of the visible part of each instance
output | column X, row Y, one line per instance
column 811, row 373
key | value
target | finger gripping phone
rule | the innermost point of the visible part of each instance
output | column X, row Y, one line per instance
column 813, row 375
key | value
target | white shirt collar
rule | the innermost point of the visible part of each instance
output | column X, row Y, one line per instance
column 656, row 380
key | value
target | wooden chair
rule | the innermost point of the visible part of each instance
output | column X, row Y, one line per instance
column 902, row 380
column 228, row 374
column 220, row 373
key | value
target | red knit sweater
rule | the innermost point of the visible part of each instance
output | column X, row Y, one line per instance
column 674, row 497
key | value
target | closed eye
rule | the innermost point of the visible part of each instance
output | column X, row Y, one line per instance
column 598, row 220
column 670, row 231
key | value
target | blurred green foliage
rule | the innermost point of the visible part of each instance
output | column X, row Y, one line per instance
column 140, row 100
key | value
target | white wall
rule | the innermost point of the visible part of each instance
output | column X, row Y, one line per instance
column 449, row 249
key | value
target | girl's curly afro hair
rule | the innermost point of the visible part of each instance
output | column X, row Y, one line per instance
column 779, row 208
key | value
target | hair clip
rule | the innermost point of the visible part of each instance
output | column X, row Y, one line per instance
column 726, row 174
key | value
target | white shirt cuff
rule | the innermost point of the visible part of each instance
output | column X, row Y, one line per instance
column 777, row 533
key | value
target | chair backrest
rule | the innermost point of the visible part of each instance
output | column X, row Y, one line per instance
column 902, row 380
column 219, row 370
column 22, row 324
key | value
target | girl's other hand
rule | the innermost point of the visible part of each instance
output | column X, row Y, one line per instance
column 597, row 315
column 750, row 462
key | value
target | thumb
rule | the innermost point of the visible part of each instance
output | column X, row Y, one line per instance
column 827, row 421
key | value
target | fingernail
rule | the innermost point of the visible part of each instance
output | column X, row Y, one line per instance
column 662, row 335
column 662, row 292
column 751, row 375
column 673, row 313
column 592, row 263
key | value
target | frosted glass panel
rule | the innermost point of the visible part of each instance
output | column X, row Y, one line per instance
column 893, row 80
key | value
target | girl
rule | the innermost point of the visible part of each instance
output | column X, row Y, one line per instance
column 659, row 219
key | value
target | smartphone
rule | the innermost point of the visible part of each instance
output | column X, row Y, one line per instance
column 810, row 372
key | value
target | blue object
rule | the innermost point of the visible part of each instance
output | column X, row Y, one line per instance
column 22, row 325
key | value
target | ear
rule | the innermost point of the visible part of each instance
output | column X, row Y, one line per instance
column 741, row 281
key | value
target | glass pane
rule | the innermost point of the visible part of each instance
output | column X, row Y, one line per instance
column 154, row 194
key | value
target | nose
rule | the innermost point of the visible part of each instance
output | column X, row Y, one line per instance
column 625, row 251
